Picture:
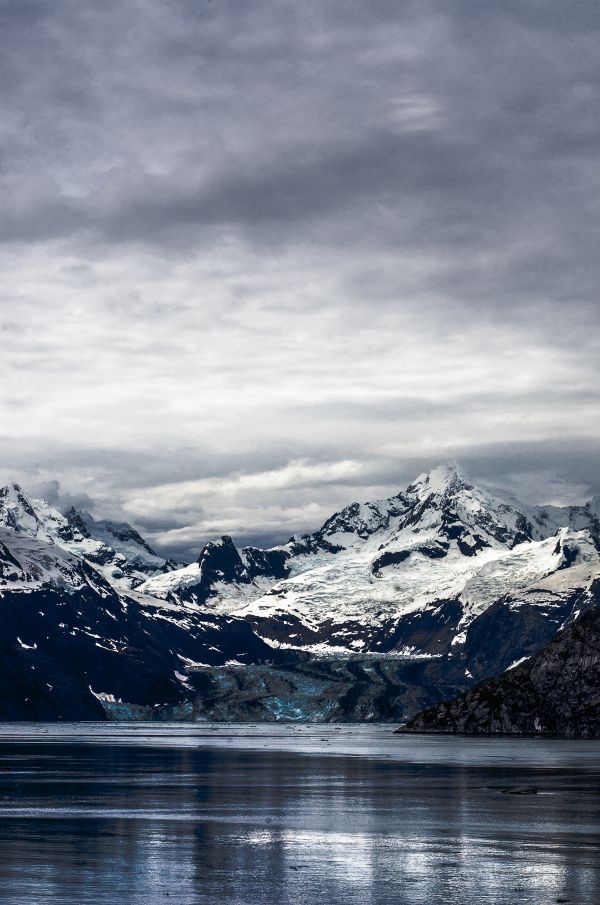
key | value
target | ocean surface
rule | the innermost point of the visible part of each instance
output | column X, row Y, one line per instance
column 245, row 814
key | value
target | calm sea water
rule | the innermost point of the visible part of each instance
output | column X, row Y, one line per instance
column 146, row 813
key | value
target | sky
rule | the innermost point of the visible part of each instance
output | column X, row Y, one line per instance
column 258, row 260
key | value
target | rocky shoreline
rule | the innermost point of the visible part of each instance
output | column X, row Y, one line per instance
column 556, row 692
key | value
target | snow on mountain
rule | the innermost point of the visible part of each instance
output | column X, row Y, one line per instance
column 374, row 567
column 555, row 691
column 28, row 563
column 390, row 604
column 341, row 603
column 547, row 520
column 115, row 549
column 70, row 642
column 220, row 570
column 556, row 564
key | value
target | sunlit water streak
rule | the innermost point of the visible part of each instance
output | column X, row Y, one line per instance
column 282, row 814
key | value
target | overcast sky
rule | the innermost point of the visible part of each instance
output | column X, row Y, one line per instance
column 263, row 258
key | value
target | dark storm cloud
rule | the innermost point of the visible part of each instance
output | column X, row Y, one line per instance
column 457, row 130
column 499, row 80
column 273, row 115
column 323, row 245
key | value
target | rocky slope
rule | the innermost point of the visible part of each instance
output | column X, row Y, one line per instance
column 554, row 692
column 405, row 575
column 321, row 689
column 70, row 643
column 389, row 607
column 115, row 549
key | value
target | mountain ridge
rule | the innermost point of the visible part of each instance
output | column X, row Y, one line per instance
column 438, row 539
column 116, row 549
column 387, row 607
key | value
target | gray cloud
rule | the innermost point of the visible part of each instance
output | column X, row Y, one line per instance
column 239, row 237
column 53, row 493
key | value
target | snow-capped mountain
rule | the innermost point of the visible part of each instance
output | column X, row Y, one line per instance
column 439, row 554
column 389, row 607
column 71, row 645
column 115, row 549
column 29, row 564
column 547, row 520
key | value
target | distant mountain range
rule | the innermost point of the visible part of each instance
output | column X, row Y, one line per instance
column 389, row 607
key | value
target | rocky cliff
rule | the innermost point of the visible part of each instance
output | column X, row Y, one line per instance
column 554, row 692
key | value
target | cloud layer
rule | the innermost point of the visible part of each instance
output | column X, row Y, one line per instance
column 258, row 260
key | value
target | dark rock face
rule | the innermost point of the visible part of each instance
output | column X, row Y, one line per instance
column 69, row 641
column 169, row 566
column 57, row 649
column 220, row 561
column 389, row 558
column 284, row 629
column 555, row 692
column 431, row 629
column 568, row 552
column 434, row 551
column 311, row 543
column 312, row 688
column 471, row 544
column 267, row 563
column 76, row 521
column 507, row 632
column 10, row 567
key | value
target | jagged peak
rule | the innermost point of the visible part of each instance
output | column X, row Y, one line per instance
column 223, row 545
column 12, row 491
column 224, row 542
column 17, row 505
column 439, row 479
column 594, row 505
column 76, row 520
column 220, row 560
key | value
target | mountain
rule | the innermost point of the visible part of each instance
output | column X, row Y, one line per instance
column 546, row 520
column 410, row 574
column 71, row 644
column 388, row 608
column 114, row 548
column 554, row 692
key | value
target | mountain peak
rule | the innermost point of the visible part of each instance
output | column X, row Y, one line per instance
column 219, row 560
column 114, row 549
column 77, row 521
column 17, row 511
column 11, row 491
column 439, row 479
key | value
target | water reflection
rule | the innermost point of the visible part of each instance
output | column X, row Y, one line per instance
column 86, row 820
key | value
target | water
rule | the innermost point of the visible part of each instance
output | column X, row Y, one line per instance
column 249, row 814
